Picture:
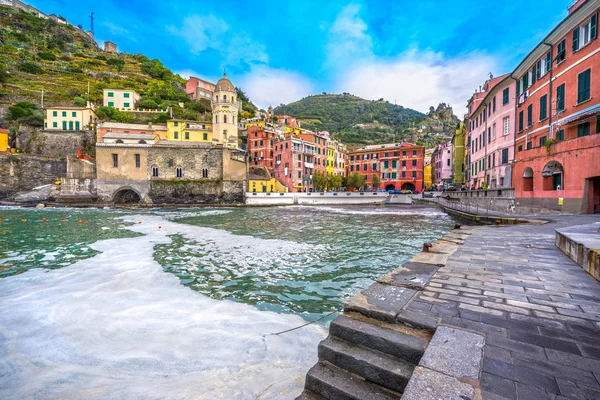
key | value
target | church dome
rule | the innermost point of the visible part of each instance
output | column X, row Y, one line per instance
column 224, row 84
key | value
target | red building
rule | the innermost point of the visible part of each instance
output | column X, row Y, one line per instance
column 319, row 141
column 197, row 89
column 399, row 166
column 261, row 145
column 287, row 121
column 294, row 163
column 557, row 117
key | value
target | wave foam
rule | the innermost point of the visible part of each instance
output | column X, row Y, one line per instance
column 117, row 326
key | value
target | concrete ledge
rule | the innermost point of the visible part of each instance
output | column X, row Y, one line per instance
column 582, row 244
column 490, row 219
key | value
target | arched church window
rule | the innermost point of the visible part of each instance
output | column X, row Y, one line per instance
column 225, row 119
column 224, row 98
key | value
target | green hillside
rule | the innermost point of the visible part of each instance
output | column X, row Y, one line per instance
column 358, row 122
column 37, row 53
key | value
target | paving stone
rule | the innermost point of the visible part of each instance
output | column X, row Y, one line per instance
column 477, row 326
column 479, row 309
column 544, row 341
column 535, row 321
column 508, row 323
column 458, row 299
column 505, row 388
column 559, row 317
column 454, row 352
column 504, row 307
column 553, row 303
column 573, row 360
column 441, row 290
column 521, row 374
column 497, row 353
column 416, row 305
column 513, row 345
column 524, row 304
column 410, row 274
column 550, row 368
column 591, row 351
column 579, row 314
column 417, row 320
column 380, row 301
column 426, row 384
column 530, row 392
column 574, row 390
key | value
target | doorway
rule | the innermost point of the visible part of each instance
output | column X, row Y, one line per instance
column 593, row 185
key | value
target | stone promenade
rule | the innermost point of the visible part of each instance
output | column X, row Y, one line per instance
column 538, row 310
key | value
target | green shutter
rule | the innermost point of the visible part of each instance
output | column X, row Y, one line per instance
column 594, row 26
column 560, row 97
column 55, row 113
column 543, row 107
column 548, row 62
column 534, row 70
column 529, row 115
column 575, row 40
column 520, row 120
column 539, row 69
column 583, row 86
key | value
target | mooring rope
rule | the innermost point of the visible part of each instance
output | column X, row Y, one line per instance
column 301, row 326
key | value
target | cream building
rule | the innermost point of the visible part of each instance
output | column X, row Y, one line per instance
column 69, row 118
column 225, row 107
column 126, row 100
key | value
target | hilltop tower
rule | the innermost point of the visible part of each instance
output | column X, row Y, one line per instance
column 225, row 109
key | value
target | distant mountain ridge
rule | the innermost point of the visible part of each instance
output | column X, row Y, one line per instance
column 357, row 122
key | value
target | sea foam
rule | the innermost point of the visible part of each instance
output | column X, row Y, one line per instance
column 117, row 326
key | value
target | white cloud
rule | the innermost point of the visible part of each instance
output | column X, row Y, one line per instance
column 270, row 87
column 203, row 32
column 419, row 79
column 348, row 38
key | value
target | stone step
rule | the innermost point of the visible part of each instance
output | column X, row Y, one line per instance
column 389, row 341
column 369, row 364
column 308, row 395
column 332, row 382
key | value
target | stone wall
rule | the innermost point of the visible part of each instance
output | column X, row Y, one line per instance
column 196, row 192
column 56, row 144
column 22, row 172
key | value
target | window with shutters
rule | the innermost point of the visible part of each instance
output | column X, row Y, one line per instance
column 560, row 98
column 520, row 148
column 137, row 161
column 561, row 51
column 597, row 123
column 506, row 125
column 542, row 141
column 520, row 120
column 494, row 104
column 529, row 115
column 583, row 86
column 205, row 172
column 543, row 65
column 585, row 33
column 505, row 96
column 529, row 145
column 179, row 172
column 504, row 156
column 560, row 135
column 115, row 158
column 155, row 171
column 543, row 107
column 583, row 129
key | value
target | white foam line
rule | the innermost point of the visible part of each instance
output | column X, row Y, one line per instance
column 117, row 326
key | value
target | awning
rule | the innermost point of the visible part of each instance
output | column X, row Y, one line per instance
column 588, row 112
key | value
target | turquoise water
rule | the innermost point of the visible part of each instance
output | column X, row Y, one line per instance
column 183, row 303
column 304, row 260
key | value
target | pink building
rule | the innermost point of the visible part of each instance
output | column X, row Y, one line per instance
column 294, row 163
column 491, row 134
column 442, row 164
column 197, row 89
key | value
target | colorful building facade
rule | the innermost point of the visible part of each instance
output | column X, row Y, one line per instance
column 458, row 156
column 69, row 118
column 399, row 166
column 295, row 163
column 189, row 131
column 557, row 144
column 122, row 99
column 442, row 165
column 490, row 134
column 261, row 146
column 198, row 89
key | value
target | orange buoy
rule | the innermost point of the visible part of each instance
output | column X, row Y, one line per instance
column 80, row 222
column 0, row 219
column 25, row 220
column 64, row 221
column 44, row 219
column 87, row 223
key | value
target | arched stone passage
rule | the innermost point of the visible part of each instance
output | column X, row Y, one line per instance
column 552, row 174
column 126, row 196
column 528, row 180
column 408, row 186
column 390, row 187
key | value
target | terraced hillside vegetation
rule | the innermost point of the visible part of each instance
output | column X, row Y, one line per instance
column 359, row 122
column 41, row 54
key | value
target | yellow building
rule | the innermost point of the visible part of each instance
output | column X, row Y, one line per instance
column 3, row 139
column 189, row 131
column 427, row 181
column 260, row 180
column 69, row 118
column 121, row 99
column 330, row 166
column 254, row 122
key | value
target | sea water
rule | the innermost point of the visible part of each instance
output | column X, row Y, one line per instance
column 185, row 303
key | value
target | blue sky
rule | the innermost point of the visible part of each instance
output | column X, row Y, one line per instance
column 415, row 53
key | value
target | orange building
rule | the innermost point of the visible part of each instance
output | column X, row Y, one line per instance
column 261, row 145
column 557, row 117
